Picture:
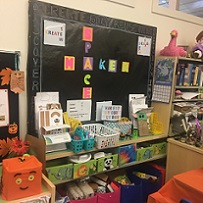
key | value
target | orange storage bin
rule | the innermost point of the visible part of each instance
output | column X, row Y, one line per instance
column 21, row 177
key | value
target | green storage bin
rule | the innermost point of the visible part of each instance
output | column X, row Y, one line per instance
column 107, row 162
column 84, row 169
column 144, row 153
column 59, row 173
column 159, row 148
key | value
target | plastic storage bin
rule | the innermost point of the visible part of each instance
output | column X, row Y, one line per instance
column 78, row 145
column 104, row 136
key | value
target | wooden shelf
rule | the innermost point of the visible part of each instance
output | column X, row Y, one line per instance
column 189, row 59
column 157, row 157
column 188, row 87
column 65, row 153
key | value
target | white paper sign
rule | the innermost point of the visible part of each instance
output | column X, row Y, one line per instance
column 144, row 46
column 79, row 109
column 99, row 106
column 4, row 108
column 54, row 33
column 41, row 100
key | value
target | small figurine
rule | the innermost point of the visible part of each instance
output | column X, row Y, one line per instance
column 197, row 50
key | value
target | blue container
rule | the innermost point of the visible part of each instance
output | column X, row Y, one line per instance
column 148, row 186
column 132, row 193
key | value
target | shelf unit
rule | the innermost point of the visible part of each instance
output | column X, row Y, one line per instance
column 182, row 157
column 38, row 145
column 165, row 110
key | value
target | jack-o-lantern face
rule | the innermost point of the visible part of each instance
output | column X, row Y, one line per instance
column 13, row 128
column 24, row 181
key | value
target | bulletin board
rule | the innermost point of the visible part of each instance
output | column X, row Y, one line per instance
column 9, row 109
column 87, row 56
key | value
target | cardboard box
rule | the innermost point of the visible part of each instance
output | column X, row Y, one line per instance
column 84, row 169
column 21, row 177
column 159, row 148
column 127, row 154
column 107, row 162
column 144, row 153
column 60, row 173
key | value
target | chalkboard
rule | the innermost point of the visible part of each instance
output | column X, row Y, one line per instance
column 9, row 106
column 114, row 41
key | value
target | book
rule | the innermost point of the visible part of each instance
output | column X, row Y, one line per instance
column 186, row 76
column 178, row 74
column 196, row 70
column 182, row 75
column 191, row 72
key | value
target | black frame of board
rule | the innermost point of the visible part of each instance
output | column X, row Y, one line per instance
column 38, row 11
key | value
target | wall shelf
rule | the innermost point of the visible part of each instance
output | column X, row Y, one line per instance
column 65, row 153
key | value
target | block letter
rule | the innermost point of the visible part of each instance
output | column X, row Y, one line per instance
column 101, row 64
column 87, row 63
column 87, row 93
column 125, row 67
column 87, row 34
column 87, row 47
column 86, row 79
column 112, row 65
column 69, row 63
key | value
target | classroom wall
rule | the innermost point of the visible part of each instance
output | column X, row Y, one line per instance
column 14, row 29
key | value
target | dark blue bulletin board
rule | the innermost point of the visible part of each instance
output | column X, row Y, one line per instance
column 105, row 56
column 9, row 109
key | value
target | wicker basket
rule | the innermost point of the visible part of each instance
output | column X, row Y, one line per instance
column 104, row 136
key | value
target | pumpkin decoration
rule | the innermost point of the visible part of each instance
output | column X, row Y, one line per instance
column 13, row 128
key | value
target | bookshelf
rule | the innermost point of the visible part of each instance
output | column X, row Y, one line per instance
column 185, row 82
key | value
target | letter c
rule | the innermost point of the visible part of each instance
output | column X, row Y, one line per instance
column 86, row 79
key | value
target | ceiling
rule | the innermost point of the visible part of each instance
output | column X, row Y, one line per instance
column 193, row 7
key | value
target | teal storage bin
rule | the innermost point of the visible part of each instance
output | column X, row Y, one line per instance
column 88, row 144
column 76, row 145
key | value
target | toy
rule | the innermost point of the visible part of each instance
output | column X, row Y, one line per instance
column 197, row 50
column 74, row 123
column 172, row 49
column 108, row 163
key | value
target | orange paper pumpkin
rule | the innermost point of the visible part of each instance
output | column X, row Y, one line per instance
column 13, row 128
column 21, row 177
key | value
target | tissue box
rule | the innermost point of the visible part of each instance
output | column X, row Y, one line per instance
column 21, row 177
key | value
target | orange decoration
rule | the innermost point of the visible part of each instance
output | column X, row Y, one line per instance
column 21, row 177
column 5, row 146
column 13, row 128
column 6, row 75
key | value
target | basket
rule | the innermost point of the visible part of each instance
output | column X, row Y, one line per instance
column 75, row 145
column 88, row 144
column 124, row 127
column 104, row 136
column 78, row 145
